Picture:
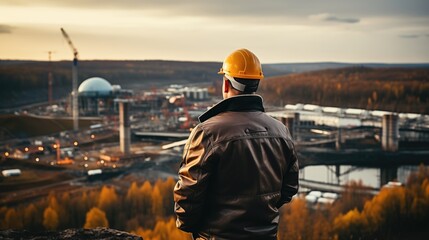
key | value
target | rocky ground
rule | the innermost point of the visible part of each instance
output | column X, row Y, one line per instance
column 69, row 234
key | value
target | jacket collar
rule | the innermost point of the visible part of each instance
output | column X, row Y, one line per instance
column 240, row 103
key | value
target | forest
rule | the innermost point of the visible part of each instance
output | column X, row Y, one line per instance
column 389, row 89
column 403, row 89
column 146, row 209
column 26, row 82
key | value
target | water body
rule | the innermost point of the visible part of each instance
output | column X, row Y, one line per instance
column 369, row 176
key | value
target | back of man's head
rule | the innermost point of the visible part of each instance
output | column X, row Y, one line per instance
column 243, row 70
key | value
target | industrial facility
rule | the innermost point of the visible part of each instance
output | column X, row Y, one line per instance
column 97, row 97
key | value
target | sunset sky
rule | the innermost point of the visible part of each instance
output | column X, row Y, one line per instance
column 278, row 31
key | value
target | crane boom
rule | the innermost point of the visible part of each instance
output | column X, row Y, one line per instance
column 66, row 36
column 75, row 102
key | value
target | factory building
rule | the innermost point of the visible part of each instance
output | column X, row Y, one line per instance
column 97, row 95
column 190, row 93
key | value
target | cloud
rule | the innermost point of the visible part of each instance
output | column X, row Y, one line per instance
column 331, row 18
column 5, row 29
column 409, row 36
column 254, row 8
column 413, row 36
column 342, row 20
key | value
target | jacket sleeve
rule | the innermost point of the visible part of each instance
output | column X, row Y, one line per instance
column 290, row 178
column 190, row 190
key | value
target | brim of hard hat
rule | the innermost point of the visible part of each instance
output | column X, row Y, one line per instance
column 260, row 77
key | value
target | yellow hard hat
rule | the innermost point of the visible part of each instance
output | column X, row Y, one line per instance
column 242, row 63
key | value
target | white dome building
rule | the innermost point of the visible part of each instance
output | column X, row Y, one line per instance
column 96, row 96
column 95, row 86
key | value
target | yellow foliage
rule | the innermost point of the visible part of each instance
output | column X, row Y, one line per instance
column 96, row 218
column 30, row 215
column 146, row 195
column 108, row 197
column 157, row 202
column 343, row 222
column 163, row 230
column 50, row 219
column 134, row 199
column 12, row 219
column 294, row 220
column 386, row 207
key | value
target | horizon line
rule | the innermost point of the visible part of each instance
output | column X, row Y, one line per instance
column 208, row 61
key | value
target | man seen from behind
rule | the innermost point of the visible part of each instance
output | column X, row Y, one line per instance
column 239, row 165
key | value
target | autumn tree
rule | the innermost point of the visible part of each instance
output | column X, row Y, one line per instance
column 395, row 213
column 65, row 210
column 109, row 203
column 3, row 211
column 146, row 195
column 12, row 219
column 81, row 205
column 96, row 218
column 354, row 195
column 133, row 199
column 108, row 198
column 166, row 189
column 294, row 220
column 31, row 218
column 50, row 219
column 157, row 202
column 53, row 202
column 320, row 225
column 163, row 230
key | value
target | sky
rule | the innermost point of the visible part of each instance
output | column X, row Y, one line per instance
column 277, row 31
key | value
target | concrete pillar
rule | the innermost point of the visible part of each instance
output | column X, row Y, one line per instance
column 291, row 123
column 124, row 127
column 388, row 174
column 296, row 126
column 339, row 140
column 288, row 122
column 390, row 133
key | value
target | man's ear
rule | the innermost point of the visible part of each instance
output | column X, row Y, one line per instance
column 226, row 86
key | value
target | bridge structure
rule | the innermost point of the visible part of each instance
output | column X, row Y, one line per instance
column 332, row 188
column 162, row 135
column 379, row 140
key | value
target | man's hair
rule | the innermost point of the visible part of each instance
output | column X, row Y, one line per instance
column 251, row 84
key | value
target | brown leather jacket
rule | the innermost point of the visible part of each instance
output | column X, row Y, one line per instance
column 239, row 166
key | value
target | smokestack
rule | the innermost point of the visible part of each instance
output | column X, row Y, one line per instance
column 124, row 126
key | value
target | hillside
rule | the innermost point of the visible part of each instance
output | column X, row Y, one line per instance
column 391, row 89
column 315, row 66
column 402, row 87
column 26, row 82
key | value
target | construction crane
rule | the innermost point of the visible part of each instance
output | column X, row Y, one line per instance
column 74, row 77
column 50, row 79
column 73, row 48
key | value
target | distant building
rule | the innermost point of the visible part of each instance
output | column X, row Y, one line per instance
column 191, row 93
column 11, row 172
column 97, row 95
